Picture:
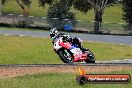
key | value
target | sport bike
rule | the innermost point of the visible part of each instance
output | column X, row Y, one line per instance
column 70, row 53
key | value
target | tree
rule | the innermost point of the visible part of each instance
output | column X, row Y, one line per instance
column 127, row 16
column 25, row 5
column 98, row 7
column 43, row 2
column 59, row 11
column 84, row 6
column 3, row 2
column 22, row 3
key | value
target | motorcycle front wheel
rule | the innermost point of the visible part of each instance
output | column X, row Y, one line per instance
column 91, row 57
column 66, row 56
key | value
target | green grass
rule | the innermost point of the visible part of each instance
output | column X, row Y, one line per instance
column 56, row 80
column 111, row 14
column 107, row 51
column 35, row 9
column 30, row 50
column 26, row 50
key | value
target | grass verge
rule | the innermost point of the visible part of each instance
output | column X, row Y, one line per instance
column 31, row 50
column 56, row 80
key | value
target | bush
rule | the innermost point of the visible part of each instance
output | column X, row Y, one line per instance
column 58, row 12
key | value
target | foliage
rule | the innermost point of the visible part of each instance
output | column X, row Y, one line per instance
column 60, row 10
column 3, row 2
column 43, row 2
column 26, row 2
column 110, row 15
column 127, row 16
column 23, row 3
column 98, row 7
column 85, row 5
column 81, row 5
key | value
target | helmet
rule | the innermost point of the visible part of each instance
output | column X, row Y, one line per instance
column 53, row 33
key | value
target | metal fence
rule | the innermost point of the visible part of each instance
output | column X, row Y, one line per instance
column 42, row 21
column 15, row 19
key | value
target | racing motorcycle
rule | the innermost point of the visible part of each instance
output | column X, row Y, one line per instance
column 70, row 53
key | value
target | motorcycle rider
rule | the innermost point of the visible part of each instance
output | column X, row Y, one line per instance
column 55, row 34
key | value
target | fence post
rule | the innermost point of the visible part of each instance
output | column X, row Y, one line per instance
column 56, row 22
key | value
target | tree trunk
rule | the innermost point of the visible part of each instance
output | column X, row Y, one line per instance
column 20, row 4
column 24, row 21
column 97, row 23
column 129, row 27
column 24, row 10
column 0, row 6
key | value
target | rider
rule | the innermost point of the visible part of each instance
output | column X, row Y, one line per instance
column 55, row 34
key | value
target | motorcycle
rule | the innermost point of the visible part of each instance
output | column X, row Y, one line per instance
column 70, row 53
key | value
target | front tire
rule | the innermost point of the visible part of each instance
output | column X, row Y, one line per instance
column 90, row 57
column 66, row 56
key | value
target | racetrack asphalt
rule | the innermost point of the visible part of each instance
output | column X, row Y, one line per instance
column 122, row 40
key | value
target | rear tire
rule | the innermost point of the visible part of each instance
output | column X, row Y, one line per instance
column 91, row 57
column 66, row 56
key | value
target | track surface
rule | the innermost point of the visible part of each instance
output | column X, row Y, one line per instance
column 64, row 65
column 86, row 37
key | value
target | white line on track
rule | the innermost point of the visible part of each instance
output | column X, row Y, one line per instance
column 6, row 34
column 90, row 41
column 21, row 35
column 121, row 44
